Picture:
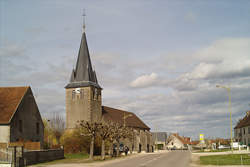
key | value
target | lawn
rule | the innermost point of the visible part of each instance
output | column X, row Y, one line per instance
column 230, row 159
column 76, row 158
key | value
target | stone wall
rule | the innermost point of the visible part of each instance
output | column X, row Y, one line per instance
column 83, row 105
column 34, row 157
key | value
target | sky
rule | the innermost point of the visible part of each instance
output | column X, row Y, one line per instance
column 160, row 59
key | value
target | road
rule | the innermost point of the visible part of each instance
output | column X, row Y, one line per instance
column 167, row 159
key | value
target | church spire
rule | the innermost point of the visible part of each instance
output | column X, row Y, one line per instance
column 83, row 74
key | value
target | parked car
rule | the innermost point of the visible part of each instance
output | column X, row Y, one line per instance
column 224, row 147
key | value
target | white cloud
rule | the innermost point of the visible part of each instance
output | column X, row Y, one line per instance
column 145, row 81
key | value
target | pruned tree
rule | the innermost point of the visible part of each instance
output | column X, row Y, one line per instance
column 89, row 129
column 118, row 133
column 104, row 131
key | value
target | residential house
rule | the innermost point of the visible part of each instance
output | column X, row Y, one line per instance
column 20, row 119
column 242, row 130
column 177, row 142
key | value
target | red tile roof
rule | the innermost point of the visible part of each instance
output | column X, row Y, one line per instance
column 115, row 115
column 184, row 140
column 10, row 97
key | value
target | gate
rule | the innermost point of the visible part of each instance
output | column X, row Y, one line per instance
column 6, row 157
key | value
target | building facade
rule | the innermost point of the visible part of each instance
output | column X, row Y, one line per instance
column 160, row 140
column 242, row 130
column 20, row 119
column 84, row 102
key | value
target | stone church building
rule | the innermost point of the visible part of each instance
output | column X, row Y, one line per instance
column 84, row 102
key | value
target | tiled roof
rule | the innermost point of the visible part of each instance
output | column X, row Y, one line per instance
column 116, row 116
column 10, row 97
column 244, row 122
column 182, row 139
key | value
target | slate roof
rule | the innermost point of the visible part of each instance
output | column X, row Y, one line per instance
column 244, row 122
column 116, row 116
column 10, row 98
column 83, row 74
column 159, row 136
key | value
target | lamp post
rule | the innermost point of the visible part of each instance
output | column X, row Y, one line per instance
column 125, row 117
column 230, row 110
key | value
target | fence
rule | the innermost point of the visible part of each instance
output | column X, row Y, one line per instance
column 6, row 156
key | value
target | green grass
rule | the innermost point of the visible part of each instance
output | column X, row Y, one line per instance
column 230, row 159
column 76, row 158
column 222, row 150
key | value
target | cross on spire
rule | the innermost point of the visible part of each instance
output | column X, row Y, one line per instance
column 84, row 18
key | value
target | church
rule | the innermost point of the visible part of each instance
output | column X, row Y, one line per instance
column 84, row 102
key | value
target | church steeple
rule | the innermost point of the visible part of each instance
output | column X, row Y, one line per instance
column 83, row 74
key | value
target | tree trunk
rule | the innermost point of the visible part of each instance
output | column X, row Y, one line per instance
column 91, row 152
column 103, row 149
column 118, row 149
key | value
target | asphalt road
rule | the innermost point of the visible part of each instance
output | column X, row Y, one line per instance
column 167, row 159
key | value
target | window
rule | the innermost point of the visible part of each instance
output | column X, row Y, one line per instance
column 73, row 94
column 20, row 126
column 248, row 130
column 37, row 128
column 81, row 94
column 243, row 130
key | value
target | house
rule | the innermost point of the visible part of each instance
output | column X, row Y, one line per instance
column 20, row 119
column 177, row 142
column 242, row 130
column 84, row 102
column 160, row 140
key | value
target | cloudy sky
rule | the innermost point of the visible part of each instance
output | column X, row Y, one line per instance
column 160, row 59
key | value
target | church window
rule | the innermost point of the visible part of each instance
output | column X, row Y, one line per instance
column 73, row 94
column 96, row 94
column 81, row 94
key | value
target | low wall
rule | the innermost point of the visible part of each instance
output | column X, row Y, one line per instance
column 33, row 157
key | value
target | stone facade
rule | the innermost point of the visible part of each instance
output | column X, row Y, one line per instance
column 242, row 135
column 82, row 104
column 242, row 130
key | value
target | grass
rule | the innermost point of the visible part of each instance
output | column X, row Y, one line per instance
column 76, row 158
column 222, row 150
column 230, row 159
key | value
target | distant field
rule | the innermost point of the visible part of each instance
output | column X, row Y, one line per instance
column 230, row 159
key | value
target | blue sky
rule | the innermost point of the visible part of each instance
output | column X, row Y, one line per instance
column 159, row 59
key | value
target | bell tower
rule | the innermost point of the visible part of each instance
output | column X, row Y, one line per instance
column 83, row 93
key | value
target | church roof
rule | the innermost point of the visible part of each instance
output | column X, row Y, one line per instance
column 116, row 116
column 83, row 75
column 10, row 98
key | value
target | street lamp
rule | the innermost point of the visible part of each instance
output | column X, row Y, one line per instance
column 125, row 117
column 230, row 110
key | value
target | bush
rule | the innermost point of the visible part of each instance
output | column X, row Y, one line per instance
column 73, row 142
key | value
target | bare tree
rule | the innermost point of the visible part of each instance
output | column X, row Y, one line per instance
column 57, row 125
column 89, row 129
